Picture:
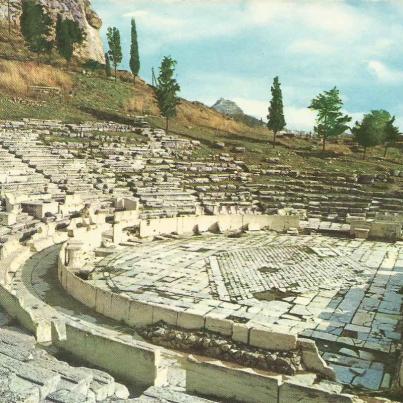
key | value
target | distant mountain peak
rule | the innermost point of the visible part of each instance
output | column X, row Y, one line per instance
column 227, row 107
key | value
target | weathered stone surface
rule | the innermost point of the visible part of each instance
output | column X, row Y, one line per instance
column 78, row 10
column 215, row 323
column 215, row 379
column 294, row 392
column 240, row 333
column 140, row 314
column 165, row 394
column 187, row 320
column 272, row 340
column 31, row 374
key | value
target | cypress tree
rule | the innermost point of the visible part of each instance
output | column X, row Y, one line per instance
column 115, row 48
column 276, row 121
column 134, row 51
column 68, row 33
column 166, row 90
column 108, row 69
column 35, row 27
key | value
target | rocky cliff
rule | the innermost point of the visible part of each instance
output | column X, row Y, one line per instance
column 78, row 10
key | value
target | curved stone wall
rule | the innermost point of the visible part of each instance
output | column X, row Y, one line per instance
column 125, row 357
column 139, row 313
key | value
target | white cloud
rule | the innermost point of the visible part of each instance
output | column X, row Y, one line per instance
column 331, row 17
column 185, row 21
column 384, row 73
column 356, row 117
column 174, row 21
column 399, row 123
column 158, row 22
column 299, row 118
column 252, row 107
column 309, row 46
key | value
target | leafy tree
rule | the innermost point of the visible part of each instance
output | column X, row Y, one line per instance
column 115, row 47
column 134, row 52
column 108, row 69
column 166, row 89
column 330, row 121
column 68, row 33
column 35, row 27
column 371, row 131
column 276, row 121
column 392, row 134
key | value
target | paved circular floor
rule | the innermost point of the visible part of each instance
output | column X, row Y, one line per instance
column 345, row 294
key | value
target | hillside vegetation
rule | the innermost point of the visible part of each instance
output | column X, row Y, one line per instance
column 95, row 96
column 89, row 95
column 18, row 78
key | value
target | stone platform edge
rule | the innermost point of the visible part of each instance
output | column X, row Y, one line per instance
column 110, row 350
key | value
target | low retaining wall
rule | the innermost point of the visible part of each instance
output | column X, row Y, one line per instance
column 213, row 378
column 222, row 223
column 132, row 361
column 117, row 353
column 376, row 229
column 234, row 383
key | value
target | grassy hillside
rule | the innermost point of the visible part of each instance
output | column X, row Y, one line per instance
column 92, row 96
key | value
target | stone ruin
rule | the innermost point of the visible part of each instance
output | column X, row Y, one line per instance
column 177, row 275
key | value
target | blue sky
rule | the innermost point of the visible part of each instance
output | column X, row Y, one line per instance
column 234, row 48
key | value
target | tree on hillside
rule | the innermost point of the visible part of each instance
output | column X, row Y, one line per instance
column 134, row 52
column 108, row 69
column 166, row 89
column 392, row 134
column 330, row 121
column 276, row 121
column 115, row 47
column 68, row 33
column 371, row 131
column 35, row 27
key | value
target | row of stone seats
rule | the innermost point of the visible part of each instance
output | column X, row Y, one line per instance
column 69, row 174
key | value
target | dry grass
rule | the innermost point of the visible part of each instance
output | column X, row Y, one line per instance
column 17, row 78
column 200, row 115
column 340, row 149
column 189, row 114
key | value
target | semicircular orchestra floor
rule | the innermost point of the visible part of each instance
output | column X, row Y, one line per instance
column 346, row 294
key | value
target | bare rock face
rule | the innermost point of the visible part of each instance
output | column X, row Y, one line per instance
column 227, row 107
column 78, row 10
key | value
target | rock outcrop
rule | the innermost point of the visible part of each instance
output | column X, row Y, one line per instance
column 78, row 10
column 227, row 107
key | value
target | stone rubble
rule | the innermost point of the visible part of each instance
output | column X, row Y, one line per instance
column 216, row 346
